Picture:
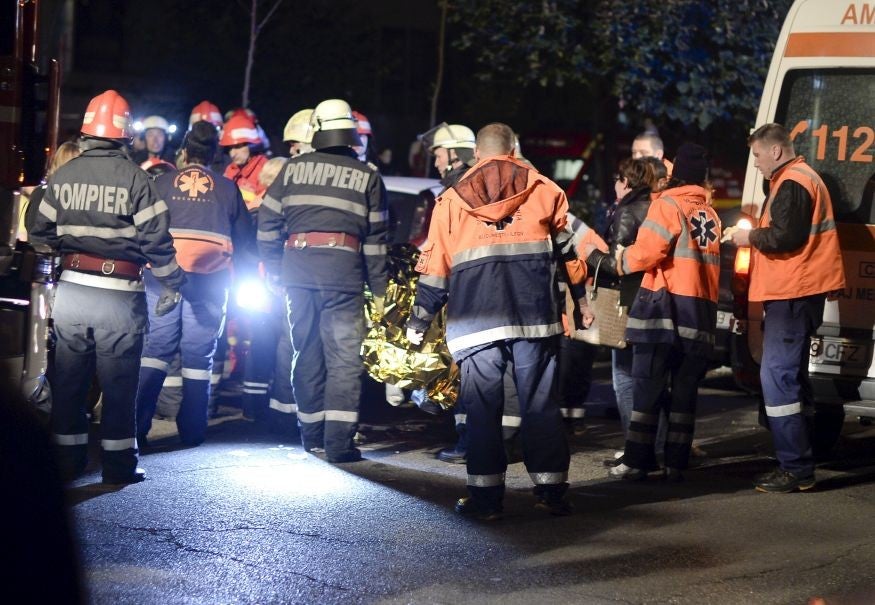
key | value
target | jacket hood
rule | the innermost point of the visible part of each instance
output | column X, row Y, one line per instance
column 495, row 187
column 690, row 193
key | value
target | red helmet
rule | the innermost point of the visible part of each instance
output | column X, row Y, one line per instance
column 107, row 116
column 207, row 112
column 362, row 124
column 239, row 129
column 241, row 111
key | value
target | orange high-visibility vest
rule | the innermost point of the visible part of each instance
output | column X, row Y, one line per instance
column 816, row 267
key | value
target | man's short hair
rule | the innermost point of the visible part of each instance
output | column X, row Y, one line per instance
column 771, row 134
column 654, row 140
column 201, row 143
column 495, row 139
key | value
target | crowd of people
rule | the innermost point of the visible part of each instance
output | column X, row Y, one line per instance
column 149, row 242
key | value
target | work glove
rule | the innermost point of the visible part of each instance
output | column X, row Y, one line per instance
column 167, row 301
column 415, row 336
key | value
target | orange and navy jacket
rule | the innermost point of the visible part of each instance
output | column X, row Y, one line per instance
column 246, row 178
column 208, row 220
column 493, row 244
column 678, row 248
column 814, row 268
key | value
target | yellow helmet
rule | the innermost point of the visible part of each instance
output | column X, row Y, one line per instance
column 299, row 128
column 453, row 136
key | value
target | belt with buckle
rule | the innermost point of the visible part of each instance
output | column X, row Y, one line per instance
column 299, row 241
column 81, row 261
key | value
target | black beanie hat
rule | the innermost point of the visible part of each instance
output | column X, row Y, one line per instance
column 202, row 141
column 691, row 164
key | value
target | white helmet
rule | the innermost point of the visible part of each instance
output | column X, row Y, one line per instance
column 156, row 122
column 453, row 136
column 299, row 128
column 334, row 125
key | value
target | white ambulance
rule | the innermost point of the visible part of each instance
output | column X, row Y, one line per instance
column 821, row 86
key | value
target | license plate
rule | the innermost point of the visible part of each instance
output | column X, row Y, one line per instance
column 836, row 355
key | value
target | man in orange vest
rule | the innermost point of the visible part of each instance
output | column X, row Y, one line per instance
column 795, row 261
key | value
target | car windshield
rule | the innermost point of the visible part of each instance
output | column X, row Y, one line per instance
column 829, row 113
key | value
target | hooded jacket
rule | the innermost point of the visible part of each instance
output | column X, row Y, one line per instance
column 491, row 257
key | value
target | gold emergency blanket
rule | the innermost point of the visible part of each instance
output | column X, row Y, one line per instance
column 388, row 355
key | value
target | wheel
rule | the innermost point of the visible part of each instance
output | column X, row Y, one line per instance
column 826, row 429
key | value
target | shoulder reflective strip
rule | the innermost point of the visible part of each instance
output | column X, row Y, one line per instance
column 166, row 270
column 681, row 418
column 77, row 439
column 501, row 333
column 486, row 480
column 643, row 418
column 374, row 249
column 48, row 211
column 154, row 363
column 285, row 408
column 378, row 217
column 706, row 258
column 779, row 411
column 325, row 201
column 434, row 281
column 193, row 374
column 511, row 421
column 340, row 416
column 572, row 412
column 548, row 478
column 100, row 232
column 272, row 204
column 147, row 214
column 99, row 281
column 823, row 227
column 460, row 418
column 539, row 247
column 679, row 437
column 311, row 418
column 694, row 334
column 118, row 445
column 173, row 382
column 182, row 233
column 657, row 229
column 268, row 236
column 650, row 324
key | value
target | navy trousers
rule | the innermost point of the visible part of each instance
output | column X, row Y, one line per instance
column 787, row 330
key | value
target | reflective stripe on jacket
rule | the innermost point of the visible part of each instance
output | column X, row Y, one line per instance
column 678, row 248
column 491, row 257
column 246, row 179
column 814, row 268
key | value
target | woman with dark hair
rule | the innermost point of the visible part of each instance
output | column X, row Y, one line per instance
column 635, row 181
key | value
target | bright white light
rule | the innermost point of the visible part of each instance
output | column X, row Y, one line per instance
column 138, row 126
column 251, row 294
column 172, row 129
column 744, row 224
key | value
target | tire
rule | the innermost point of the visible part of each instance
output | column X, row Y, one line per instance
column 826, row 429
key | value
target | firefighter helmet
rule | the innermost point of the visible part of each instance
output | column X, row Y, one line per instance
column 156, row 122
column 453, row 136
column 299, row 128
column 239, row 129
column 362, row 124
column 334, row 125
column 108, row 116
column 206, row 112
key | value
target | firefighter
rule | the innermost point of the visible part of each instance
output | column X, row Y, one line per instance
column 156, row 130
column 209, row 225
column 207, row 112
column 364, row 151
column 673, row 317
column 100, row 212
column 795, row 261
column 325, row 219
column 298, row 133
column 244, row 145
column 492, row 247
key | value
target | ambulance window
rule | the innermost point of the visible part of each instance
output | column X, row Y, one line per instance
column 829, row 112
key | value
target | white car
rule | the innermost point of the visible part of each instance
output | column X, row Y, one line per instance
column 411, row 200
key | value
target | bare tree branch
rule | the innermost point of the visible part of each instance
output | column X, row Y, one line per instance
column 269, row 14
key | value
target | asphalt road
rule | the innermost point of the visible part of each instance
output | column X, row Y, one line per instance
column 250, row 518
